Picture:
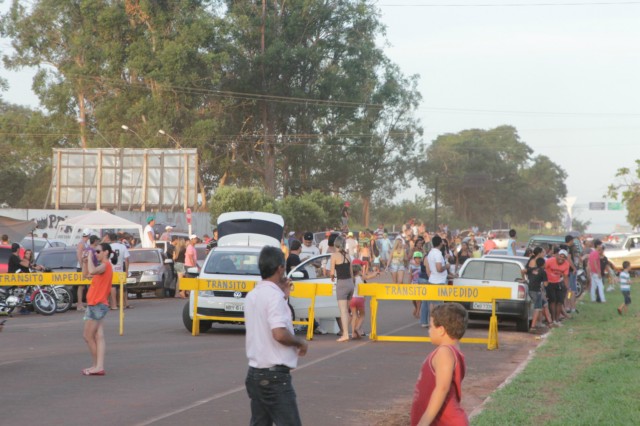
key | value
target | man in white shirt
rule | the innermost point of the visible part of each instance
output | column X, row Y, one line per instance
column 436, row 267
column 352, row 246
column 121, row 266
column 309, row 250
column 271, row 345
column 149, row 235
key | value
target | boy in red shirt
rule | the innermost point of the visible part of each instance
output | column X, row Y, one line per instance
column 557, row 269
column 438, row 391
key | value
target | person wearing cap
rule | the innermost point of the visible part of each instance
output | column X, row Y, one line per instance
column 308, row 251
column 166, row 235
column 148, row 235
column 414, row 274
column 80, row 248
column 557, row 270
column 344, row 215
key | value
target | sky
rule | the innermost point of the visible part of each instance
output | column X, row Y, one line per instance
column 565, row 74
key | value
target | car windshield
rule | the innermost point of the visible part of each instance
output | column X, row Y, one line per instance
column 144, row 256
column 58, row 260
column 501, row 235
column 492, row 271
column 232, row 263
column 29, row 244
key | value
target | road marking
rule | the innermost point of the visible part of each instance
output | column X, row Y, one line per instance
column 242, row 388
column 10, row 362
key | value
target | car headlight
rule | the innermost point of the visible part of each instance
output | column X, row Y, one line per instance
column 207, row 293
column 150, row 273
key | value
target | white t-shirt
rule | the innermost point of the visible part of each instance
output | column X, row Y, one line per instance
column 308, row 252
column 435, row 256
column 146, row 241
column 323, row 246
column 123, row 253
column 352, row 247
column 264, row 310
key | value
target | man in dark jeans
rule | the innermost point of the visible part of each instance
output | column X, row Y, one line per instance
column 271, row 346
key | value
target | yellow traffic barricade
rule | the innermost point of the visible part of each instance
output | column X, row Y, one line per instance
column 300, row 289
column 62, row 278
column 434, row 293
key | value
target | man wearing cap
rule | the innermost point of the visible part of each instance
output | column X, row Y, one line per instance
column 191, row 256
column 166, row 235
column 308, row 251
column 557, row 269
column 148, row 235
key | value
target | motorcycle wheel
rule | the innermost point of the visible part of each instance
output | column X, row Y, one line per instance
column 44, row 303
column 64, row 299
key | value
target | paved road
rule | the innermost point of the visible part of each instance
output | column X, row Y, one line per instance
column 159, row 374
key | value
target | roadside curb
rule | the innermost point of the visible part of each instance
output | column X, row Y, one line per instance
column 479, row 409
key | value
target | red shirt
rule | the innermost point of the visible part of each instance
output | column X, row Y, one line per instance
column 451, row 412
column 489, row 245
column 100, row 287
column 555, row 271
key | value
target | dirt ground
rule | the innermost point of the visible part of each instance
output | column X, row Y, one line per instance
column 486, row 371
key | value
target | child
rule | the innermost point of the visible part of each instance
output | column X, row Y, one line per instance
column 625, row 287
column 356, row 304
column 441, row 405
column 414, row 273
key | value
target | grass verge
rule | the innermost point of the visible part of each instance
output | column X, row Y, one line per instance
column 587, row 373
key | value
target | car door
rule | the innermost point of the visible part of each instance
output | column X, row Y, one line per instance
column 326, row 306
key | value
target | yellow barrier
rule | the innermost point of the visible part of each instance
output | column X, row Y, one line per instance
column 62, row 278
column 434, row 293
column 301, row 290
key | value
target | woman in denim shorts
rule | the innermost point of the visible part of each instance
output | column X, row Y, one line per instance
column 97, row 304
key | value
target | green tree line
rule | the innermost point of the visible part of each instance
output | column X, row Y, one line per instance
column 290, row 97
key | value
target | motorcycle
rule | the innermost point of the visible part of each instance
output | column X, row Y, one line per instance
column 63, row 297
column 28, row 296
column 581, row 282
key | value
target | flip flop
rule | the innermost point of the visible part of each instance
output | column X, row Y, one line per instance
column 88, row 372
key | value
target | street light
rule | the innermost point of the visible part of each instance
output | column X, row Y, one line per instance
column 162, row 132
column 126, row 128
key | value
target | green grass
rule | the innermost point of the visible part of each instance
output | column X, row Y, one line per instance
column 587, row 373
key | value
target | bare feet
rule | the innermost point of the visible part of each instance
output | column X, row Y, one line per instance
column 343, row 339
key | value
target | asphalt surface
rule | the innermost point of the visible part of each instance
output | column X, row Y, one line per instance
column 157, row 373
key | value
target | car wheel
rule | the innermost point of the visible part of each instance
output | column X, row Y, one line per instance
column 522, row 323
column 188, row 322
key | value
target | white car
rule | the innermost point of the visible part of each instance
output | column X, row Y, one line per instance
column 326, row 307
column 499, row 272
column 241, row 237
column 500, row 237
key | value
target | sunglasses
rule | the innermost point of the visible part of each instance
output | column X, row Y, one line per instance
column 98, row 251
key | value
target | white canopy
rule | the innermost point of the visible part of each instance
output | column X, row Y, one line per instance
column 71, row 229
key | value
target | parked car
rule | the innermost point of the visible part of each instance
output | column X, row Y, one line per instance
column 325, row 306
column 628, row 249
column 149, row 270
column 60, row 259
column 241, row 237
column 36, row 244
column 503, row 252
column 552, row 240
column 500, row 237
column 498, row 272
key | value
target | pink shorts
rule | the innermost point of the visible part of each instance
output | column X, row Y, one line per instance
column 357, row 303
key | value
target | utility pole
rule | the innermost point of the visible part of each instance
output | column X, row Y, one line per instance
column 435, row 210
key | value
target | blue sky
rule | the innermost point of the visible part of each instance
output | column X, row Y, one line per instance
column 566, row 76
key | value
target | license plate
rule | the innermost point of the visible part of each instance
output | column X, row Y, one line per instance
column 234, row 307
column 481, row 306
column 131, row 280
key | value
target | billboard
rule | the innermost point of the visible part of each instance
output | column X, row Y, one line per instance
column 125, row 179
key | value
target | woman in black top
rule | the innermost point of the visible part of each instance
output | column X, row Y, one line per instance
column 342, row 272
column 462, row 255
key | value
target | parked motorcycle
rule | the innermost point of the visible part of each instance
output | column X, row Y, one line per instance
column 63, row 297
column 29, row 296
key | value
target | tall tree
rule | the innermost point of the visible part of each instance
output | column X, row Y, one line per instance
column 627, row 188
column 487, row 175
column 320, row 86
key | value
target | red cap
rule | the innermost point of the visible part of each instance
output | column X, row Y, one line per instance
column 346, row 203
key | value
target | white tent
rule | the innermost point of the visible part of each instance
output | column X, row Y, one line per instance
column 70, row 231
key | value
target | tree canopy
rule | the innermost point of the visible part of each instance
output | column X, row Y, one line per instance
column 627, row 188
column 489, row 175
